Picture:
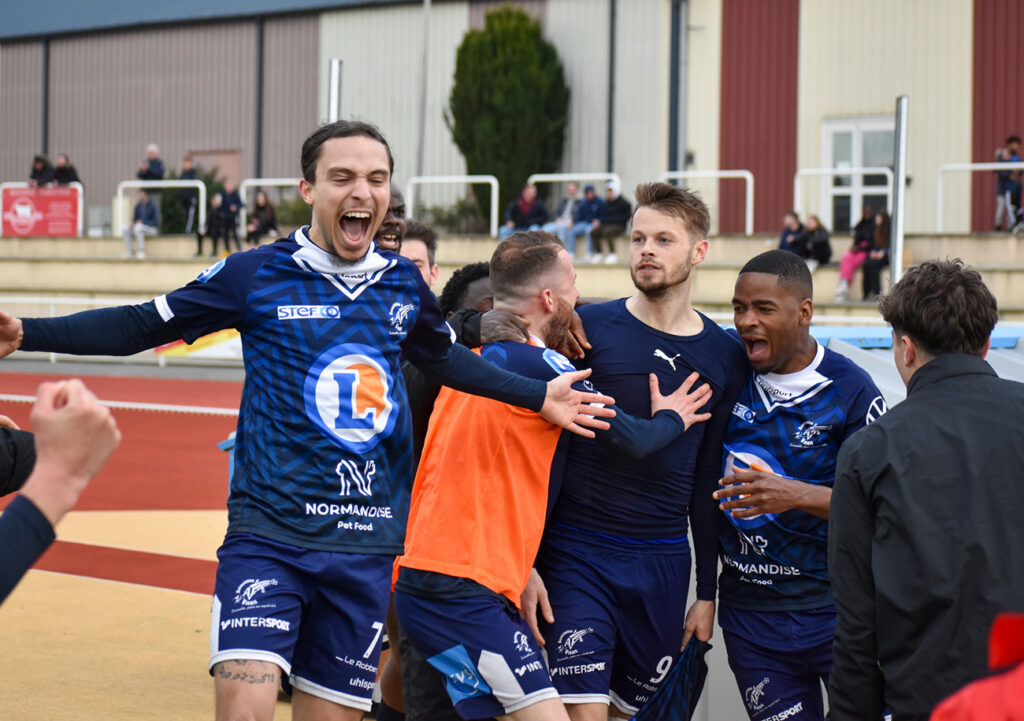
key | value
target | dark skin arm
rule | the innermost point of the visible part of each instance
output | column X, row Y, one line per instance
column 498, row 325
column 761, row 492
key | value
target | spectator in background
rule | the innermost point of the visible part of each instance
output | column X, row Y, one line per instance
column 1007, row 184
column 878, row 258
column 419, row 245
column 565, row 215
column 152, row 168
column 75, row 434
column 214, row 227
column 588, row 214
column 863, row 240
column 615, row 214
column 189, row 196
column 816, row 243
column 232, row 203
column 925, row 542
column 145, row 221
column 42, row 172
column 790, row 237
column 65, row 172
column 263, row 220
column 527, row 212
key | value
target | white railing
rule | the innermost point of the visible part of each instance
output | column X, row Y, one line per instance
column 566, row 177
column 243, row 189
column 841, row 172
column 410, row 198
column 118, row 226
column 746, row 175
column 972, row 167
column 81, row 202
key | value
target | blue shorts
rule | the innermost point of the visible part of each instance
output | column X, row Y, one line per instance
column 317, row 615
column 483, row 648
column 619, row 616
column 780, row 680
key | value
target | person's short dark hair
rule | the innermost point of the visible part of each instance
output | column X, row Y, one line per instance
column 340, row 129
column 789, row 268
column 681, row 203
column 944, row 306
column 414, row 230
column 454, row 293
column 520, row 259
column 40, row 159
column 1012, row 139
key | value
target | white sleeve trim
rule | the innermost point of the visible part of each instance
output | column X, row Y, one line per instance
column 163, row 308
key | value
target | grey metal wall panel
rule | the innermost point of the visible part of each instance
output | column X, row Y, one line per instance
column 291, row 49
column 183, row 88
column 21, row 108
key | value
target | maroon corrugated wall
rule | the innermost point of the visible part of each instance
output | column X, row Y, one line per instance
column 998, row 102
column 760, row 42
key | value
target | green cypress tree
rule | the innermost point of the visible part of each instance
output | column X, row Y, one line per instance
column 509, row 103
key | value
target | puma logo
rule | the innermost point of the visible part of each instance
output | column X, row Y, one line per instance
column 659, row 353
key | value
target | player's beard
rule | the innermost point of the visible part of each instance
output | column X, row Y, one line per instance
column 657, row 287
column 556, row 330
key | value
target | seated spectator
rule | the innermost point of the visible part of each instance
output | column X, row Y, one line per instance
column 792, row 229
column 565, row 216
column 814, row 245
column 863, row 239
column 263, row 220
column 189, row 197
column 588, row 214
column 65, row 172
column 615, row 214
column 232, row 203
column 1007, row 184
column 527, row 212
column 878, row 258
column 42, row 172
column 145, row 221
column 152, row 168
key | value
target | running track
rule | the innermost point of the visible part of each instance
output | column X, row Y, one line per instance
column 167, row 460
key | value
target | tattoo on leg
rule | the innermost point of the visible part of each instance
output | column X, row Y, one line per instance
column 257, row 674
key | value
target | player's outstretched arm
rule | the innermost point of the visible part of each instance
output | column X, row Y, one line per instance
column 751, row 493
column 11, row 334
column 569, row 408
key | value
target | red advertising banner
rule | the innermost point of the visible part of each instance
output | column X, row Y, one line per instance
column 39, row 212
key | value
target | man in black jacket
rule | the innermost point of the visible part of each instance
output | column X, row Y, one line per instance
column 926, row 544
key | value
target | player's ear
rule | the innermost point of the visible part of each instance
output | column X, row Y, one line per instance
column 806, row 311
column 306, row 189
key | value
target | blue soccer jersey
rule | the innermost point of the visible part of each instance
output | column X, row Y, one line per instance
column 791, row 425
column 608, row 492
column 322, row 456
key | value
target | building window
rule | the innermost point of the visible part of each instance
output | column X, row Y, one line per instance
column 855, row 143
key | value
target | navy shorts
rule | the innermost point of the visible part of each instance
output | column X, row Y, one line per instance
column 483, row 648
column 619, row 611
column 317, row 615
column 781, row 680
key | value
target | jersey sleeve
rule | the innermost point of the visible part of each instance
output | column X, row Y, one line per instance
column 216, row 299
column 866, row 404
column 122, row 330
column 430, row 339
column 24, row 535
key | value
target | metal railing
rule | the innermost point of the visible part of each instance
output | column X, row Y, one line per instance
column 118, row 224
column 746, row 175
column 81, row 201
column 841, row 172
column 971, row 167
column 410, row 198
column 243, row 189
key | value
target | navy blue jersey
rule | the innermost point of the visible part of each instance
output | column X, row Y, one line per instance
column 322, row 456
column 792, row 425
column 606, row 490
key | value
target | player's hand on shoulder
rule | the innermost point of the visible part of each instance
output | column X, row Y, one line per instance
column 11, row 334
column 534, row 598
column 498, row 325
column 684, row 400
column 576, row 344
column 573, row 409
